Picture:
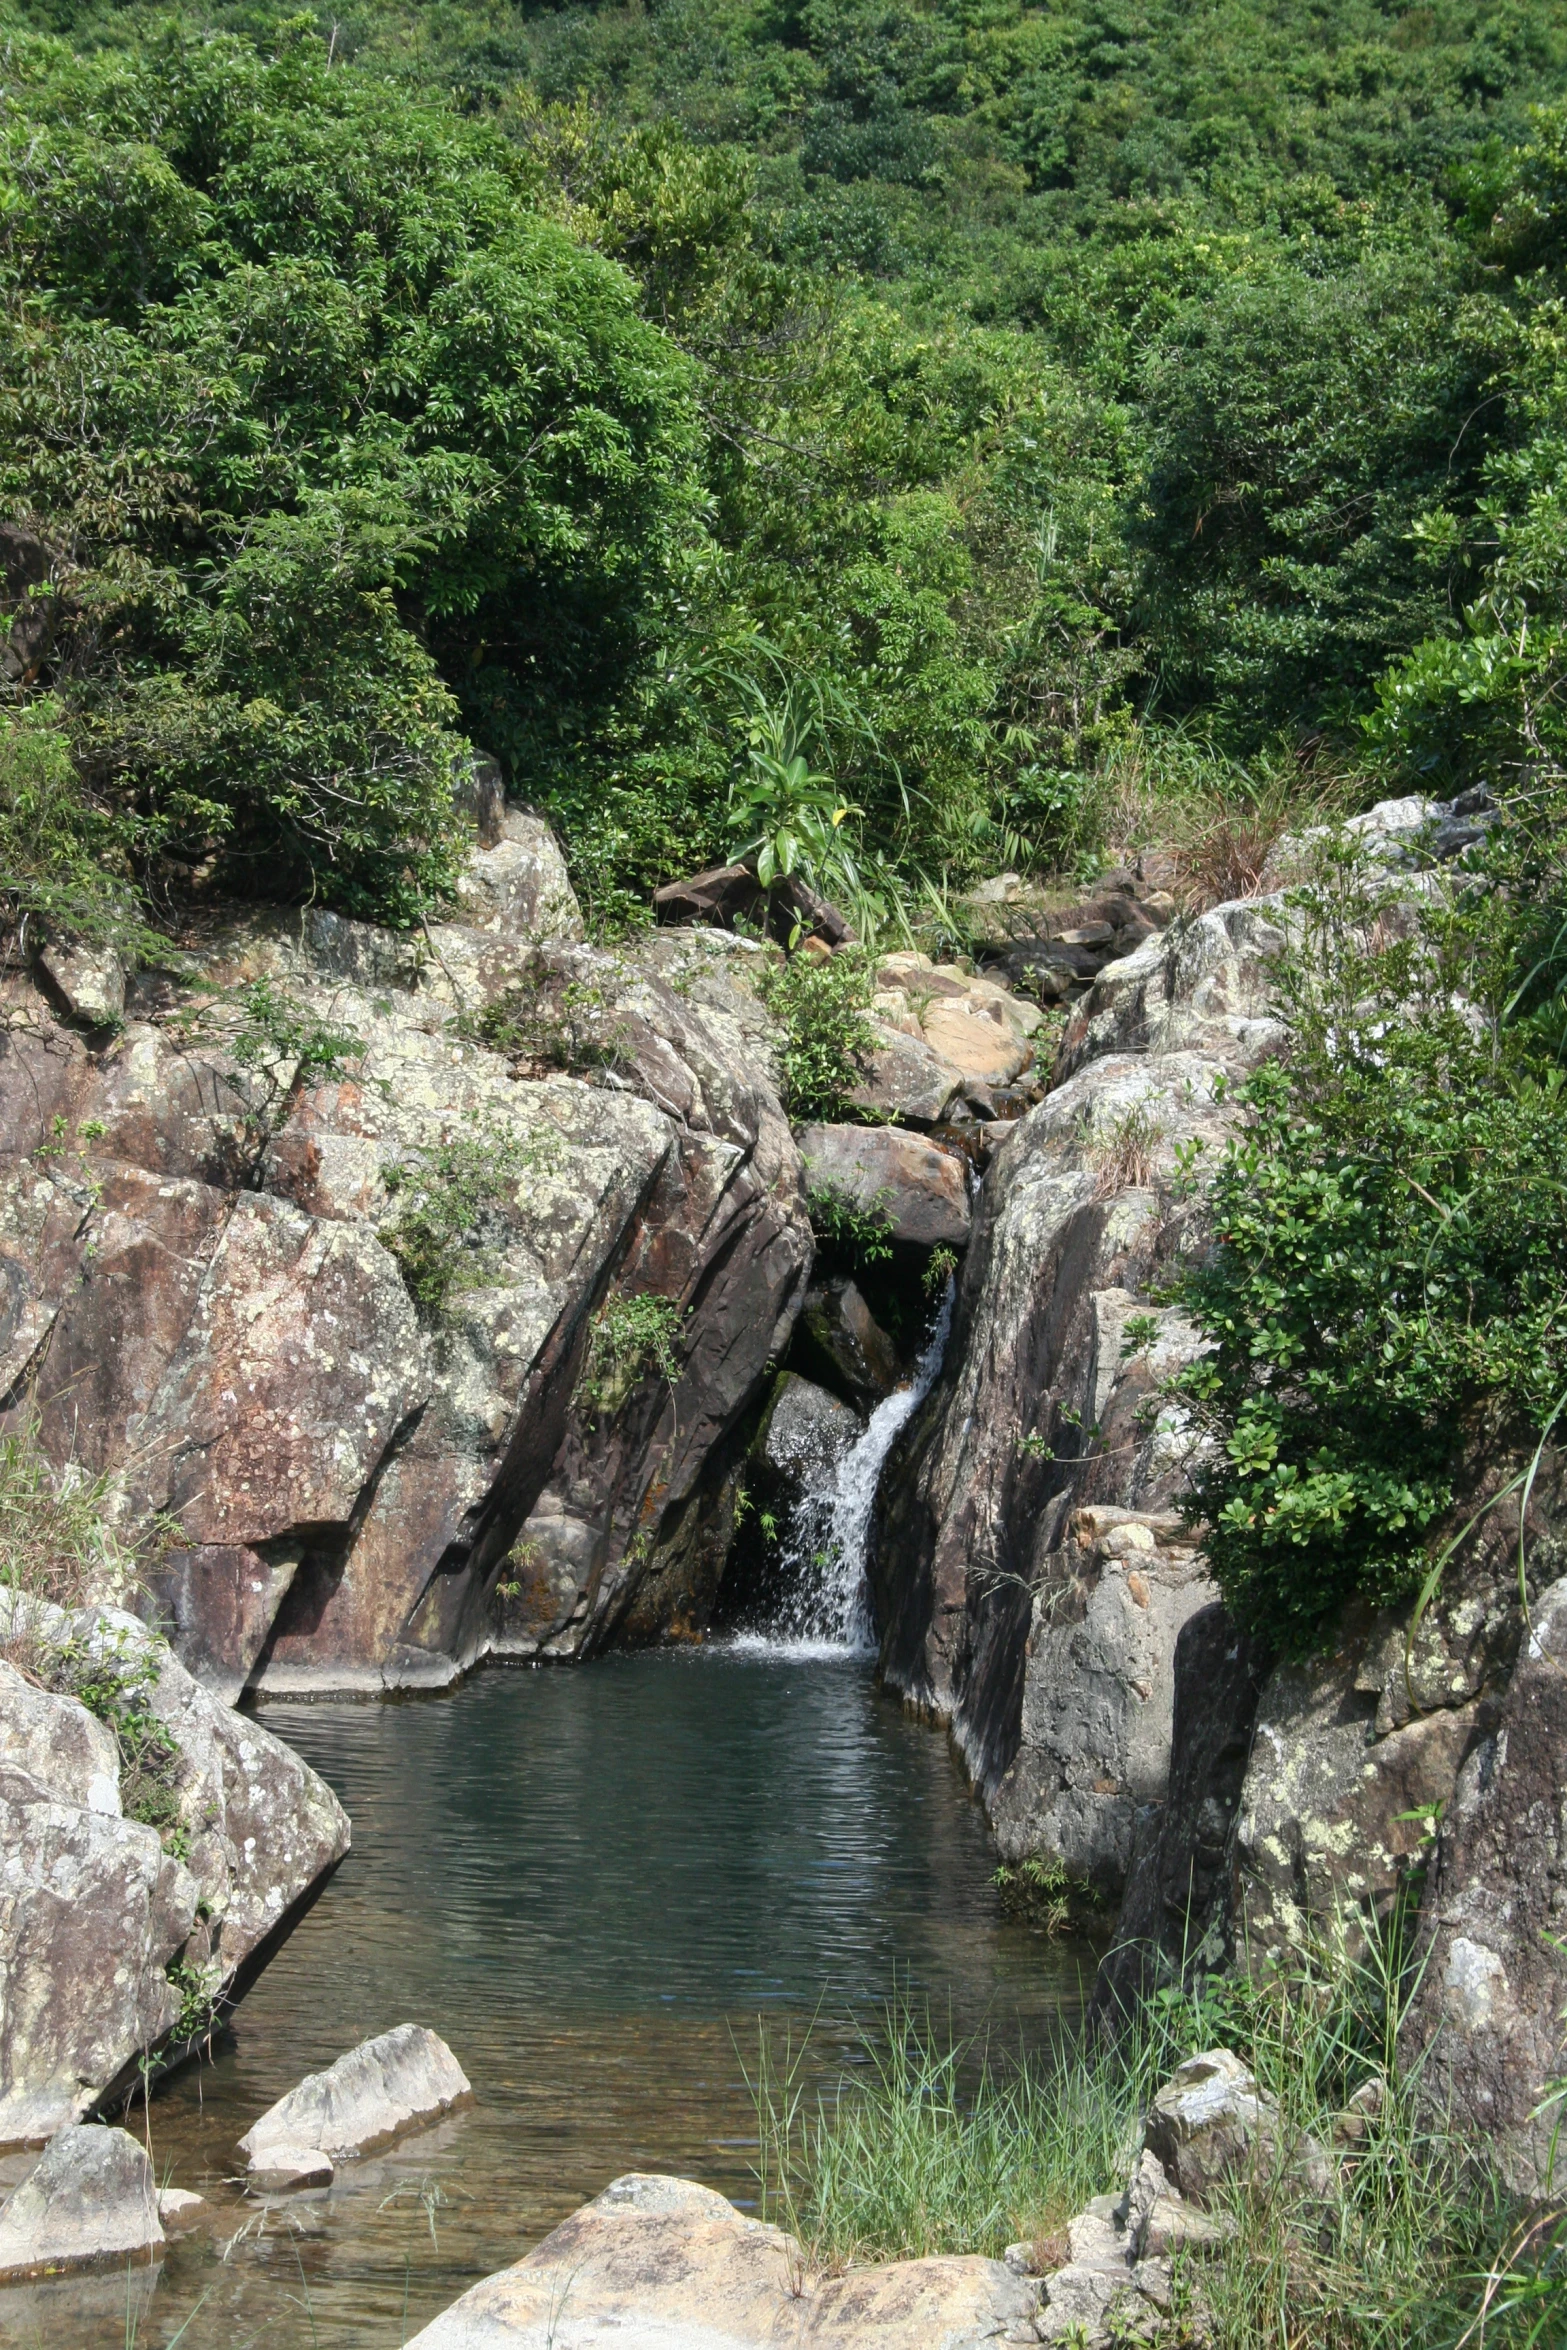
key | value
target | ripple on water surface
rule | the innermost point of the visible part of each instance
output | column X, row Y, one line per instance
column 591, row 1882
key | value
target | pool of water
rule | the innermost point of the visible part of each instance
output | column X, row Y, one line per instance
column 592, row 1882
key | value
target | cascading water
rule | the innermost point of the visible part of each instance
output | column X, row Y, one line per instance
column 827, row 1609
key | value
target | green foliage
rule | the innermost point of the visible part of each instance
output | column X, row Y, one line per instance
column 380, row 419
column 1386, row 1298
column 65, row 863
column 201, row 2008
column 115, row 1682
column 850, row 1231
column 1041, row 1893
column 456, row 1204
column 820, row 1004
column 632, row 1339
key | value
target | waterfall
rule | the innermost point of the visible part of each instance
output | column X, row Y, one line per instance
column 827, row 1611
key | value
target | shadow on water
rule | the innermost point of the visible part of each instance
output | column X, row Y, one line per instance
column 591, row 1882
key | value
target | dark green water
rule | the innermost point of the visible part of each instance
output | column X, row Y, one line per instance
column 591, row 1882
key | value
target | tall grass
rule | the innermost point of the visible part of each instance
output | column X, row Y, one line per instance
column 58, row 1540
column 1411, row 2245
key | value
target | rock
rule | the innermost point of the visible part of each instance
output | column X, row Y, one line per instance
column 1487, row 2021
column 90, row 2197
column 805, row 1436
column 1333, row 1818
column 1211, row 2122
column 1097, row 1712
column 920, row 1190
column 212, row 1229
column 663, row 2261
column 1045, row 1407
column 518, row 886
column 730, row 893
column 983, row 1051
column 282, row 2165
column 87, row 982
column 904, row 1079
column 179, row 2209
column 839, row 1342
column 1176, row 1911
column 368, row 2097
column 93, row 1911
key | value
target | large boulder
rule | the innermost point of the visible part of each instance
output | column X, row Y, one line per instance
column 1489, row 2022
column 1098, row 1702
column 655, row 2262
column 114, row 1929
column 91, row 2197
column 918, row 1190
column 1049, row 1404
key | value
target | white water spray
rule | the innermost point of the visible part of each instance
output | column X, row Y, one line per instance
column 827, row 1611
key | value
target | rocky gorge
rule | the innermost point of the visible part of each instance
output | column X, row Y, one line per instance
column 425, row 1299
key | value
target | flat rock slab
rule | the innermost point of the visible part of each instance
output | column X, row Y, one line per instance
column 663, row 2264
column 372, row 2094
column 91, row 2196
column 921, row 1190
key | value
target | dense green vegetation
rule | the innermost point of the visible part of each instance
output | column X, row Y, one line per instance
column 1387, row 1303
column 925, row 434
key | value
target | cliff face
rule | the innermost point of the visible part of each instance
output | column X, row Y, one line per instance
column 203, row 1208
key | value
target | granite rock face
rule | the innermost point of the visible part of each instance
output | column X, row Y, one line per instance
column 1491, row 2012
column 657, row 2263
column 92, row 2197
column 94, row 1911
column 210, row 1278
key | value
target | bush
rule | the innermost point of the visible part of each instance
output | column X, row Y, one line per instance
column 820, row 1005
column 632, row 1339
column 455, row 1209
column 1386, row 1297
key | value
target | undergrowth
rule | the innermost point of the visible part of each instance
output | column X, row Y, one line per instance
column 58, row 1541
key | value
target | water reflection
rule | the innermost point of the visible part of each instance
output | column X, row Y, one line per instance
column 591, row 1882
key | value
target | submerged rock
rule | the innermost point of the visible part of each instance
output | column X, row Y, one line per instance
column 99, row 1912
column 90, row 2197
column 663, row 2262
column 364, row 2100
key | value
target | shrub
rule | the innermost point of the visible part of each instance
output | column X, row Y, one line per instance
column 820, row 1004
column 1387, row 1291
column 455, row 1208
column 849, row 1231
column 58, row 1540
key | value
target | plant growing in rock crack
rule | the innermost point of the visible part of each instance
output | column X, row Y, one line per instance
column 853, row 1232
column 280, row 1044
column 1125, row 1154
column 201, row 2005
column 631, row 1339
column 940, row 1268
column 454, row 1203
column 58, row 1538
column 1043, row 1893
column 548, row 1026
column 114, row 1681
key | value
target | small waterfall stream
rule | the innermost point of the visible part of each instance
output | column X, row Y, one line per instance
column 827, row 1610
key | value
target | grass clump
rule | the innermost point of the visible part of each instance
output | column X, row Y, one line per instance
column 931, row 2147
column 58, row 1541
